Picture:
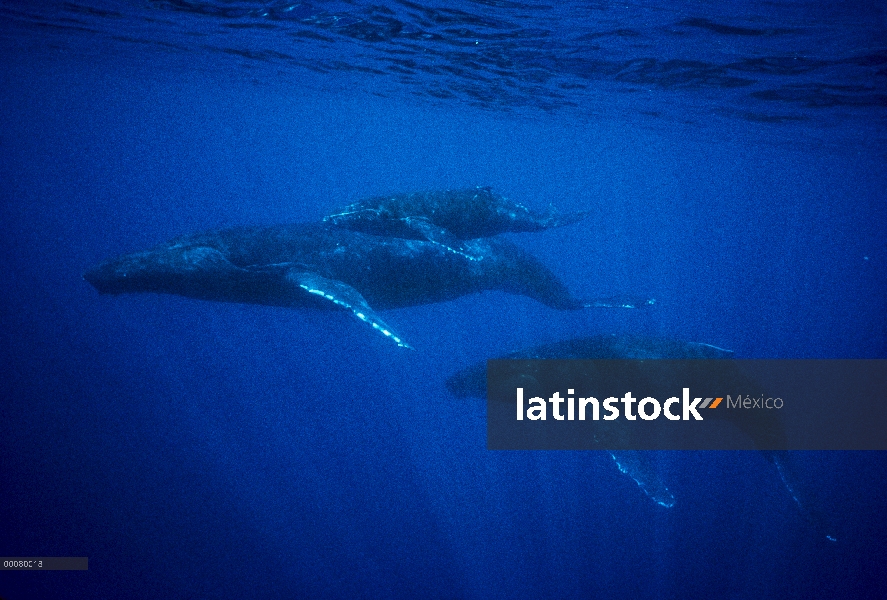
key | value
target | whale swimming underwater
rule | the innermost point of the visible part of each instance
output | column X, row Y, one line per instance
column 446, row 217
column 319, row 265
column 765, row 430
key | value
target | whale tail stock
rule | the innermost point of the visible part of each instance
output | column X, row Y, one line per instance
column 518, row 272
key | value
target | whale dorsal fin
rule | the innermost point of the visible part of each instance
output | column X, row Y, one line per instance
column 343, row 296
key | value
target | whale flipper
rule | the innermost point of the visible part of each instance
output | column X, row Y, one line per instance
column 344, row 296
column 785, row 465
column 380, row 222
column 637, row 465
column 374, row 221
column 438, row 235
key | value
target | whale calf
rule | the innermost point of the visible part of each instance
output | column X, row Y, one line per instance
column 320, row 265
column 447, row 216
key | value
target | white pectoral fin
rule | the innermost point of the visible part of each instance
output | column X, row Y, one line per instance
column 637, row 465
column 435, row 234
column 351, row 215
column 346, row 297
column 784, row 461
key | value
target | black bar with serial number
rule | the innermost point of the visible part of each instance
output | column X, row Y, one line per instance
column 44, row 563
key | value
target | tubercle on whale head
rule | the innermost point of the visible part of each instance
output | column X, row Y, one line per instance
column 150, row 271
column 109, row 277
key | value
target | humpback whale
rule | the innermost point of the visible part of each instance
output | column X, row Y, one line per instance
column 766, row 431
column 446, row 217
column 319, row 265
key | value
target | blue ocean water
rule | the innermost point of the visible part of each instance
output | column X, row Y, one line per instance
column 733, row 158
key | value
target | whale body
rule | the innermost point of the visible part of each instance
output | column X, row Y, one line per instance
column 447, row 216
column 766, row 431
column 319, row 265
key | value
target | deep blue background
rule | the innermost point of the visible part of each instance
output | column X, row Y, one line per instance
column 199, row 450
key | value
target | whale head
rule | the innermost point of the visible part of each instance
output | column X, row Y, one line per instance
column 130, row 273
column 175, row 270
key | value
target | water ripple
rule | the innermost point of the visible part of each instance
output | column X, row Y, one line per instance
column 498, row 54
